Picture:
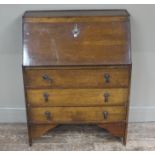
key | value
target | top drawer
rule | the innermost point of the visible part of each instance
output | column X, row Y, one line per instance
column 76, row 42
column 76, row 78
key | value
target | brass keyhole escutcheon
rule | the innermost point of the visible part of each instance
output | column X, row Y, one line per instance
column 75, row 31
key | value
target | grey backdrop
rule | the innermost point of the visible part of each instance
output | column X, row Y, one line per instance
column 12, row 108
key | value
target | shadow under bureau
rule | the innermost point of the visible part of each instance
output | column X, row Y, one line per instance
column 76, row 69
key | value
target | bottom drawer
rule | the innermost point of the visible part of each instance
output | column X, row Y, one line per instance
column 77, row 114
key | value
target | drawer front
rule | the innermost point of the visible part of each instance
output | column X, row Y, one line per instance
column 77, row 78
column 77, row 97
column 77, row 115
column 76, row 43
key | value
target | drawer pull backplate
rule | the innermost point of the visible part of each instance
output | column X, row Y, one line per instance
column 106, row 78
column 48, row 115
column 106, row 97
column 105, row 115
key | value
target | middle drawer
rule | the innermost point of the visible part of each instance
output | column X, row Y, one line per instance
column 77, row 97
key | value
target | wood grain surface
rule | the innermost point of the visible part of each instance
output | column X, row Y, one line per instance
column 73, row 115
column 55, row 44
column 77, row 97
column 77, row 69
column 77, row 78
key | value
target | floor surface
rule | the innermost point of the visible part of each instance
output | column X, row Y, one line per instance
column 141, row 136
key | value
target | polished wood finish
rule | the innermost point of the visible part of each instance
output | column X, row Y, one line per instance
column 116, row 129
column 75, row 16
column 77, row 78
column 53, row 43
column 75, row 13
column 60, row 45
column 77, row 19
column 77, row 97
column 77, row 69
column 38, row 130
column 61, row 115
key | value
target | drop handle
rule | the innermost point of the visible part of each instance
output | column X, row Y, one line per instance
column 48, row 115
column 75, row 31
column 105, row 115
column 106, row 78
column 46, row 78
column 46, row 96
column 106, row 97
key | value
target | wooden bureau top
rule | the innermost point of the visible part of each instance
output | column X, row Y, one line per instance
column 71, row 38
column 63, row 13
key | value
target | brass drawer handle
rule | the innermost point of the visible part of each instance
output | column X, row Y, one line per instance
column 75, row 31
column 106, row 78
column 106, row 97
column 46, row 95
column 105, row 115
column 47, row 78
column 48, row 115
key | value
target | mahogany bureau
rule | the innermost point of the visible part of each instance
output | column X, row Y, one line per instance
column 76, row 69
